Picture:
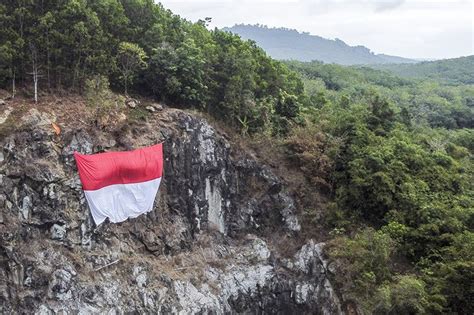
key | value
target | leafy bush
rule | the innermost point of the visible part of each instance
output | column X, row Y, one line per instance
column 314, row 152
column 362, row 262
column 100, row 98
column 405, row 295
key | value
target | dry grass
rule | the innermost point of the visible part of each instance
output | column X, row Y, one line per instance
column 70, row 111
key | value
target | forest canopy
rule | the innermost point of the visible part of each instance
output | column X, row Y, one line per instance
column 451, row 71
column 142, row 47
column 395, row 157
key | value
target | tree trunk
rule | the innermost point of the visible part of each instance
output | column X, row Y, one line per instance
column 35, row 74
column 48, row 62
column 35, row 81
column 75, row 74
column 13, row 85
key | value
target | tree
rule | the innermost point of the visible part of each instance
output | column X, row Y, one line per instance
column 35, row 69
column 406, row 295
column 131, row 58
column 6, row 59
column 10, row 44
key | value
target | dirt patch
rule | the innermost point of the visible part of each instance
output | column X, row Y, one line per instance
column 69, row 110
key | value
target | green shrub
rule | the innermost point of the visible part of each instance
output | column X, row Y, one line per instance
column 102, row 101
column 363, row 263
column 405, row 295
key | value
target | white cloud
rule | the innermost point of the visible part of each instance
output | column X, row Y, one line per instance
column 409, row 28
column 384, row 5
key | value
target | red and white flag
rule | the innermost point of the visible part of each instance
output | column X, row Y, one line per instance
column 121, row 185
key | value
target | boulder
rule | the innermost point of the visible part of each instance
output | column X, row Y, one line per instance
column 157, row 106
column 4, row 116
column 151, row 109
column 132, row 103
column 58, row 232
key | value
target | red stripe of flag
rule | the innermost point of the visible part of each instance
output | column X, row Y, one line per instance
column 104, row 169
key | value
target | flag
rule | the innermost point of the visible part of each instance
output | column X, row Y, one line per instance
column 120, row 185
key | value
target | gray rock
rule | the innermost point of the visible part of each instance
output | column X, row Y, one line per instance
column 35, row 118
column 58, row 232
column 25, row 208
column 60, row 285
column 81, row 142
column 132, row 103
column 309, row 259
column 2, row 102
column 44, row 310
column 141, row 277
column 151, row 109
column 157, row 107
column 4, row 116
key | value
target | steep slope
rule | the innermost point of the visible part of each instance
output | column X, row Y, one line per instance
column 204, row 248
column 287, row 44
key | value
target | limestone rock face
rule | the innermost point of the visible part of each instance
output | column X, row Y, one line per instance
column 203, row 249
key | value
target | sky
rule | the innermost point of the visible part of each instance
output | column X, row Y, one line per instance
column 425, row 29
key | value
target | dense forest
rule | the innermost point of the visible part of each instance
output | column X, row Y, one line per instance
column 394, row 156
column 396, row 159
column 138, row 45
column 452, row 71
column 289, row 44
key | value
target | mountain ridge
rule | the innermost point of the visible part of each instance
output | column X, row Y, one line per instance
column 290, row 44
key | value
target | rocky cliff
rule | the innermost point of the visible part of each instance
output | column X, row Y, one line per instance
column 207, row 247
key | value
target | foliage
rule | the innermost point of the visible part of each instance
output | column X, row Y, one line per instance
column 403, row 165
column 425, row 103
column 314, row 152
column 452, row 71
column 140, row 45
column 393, row 156
column 363, row 263
column 405, row 295
column 131, row 58
column 99, row 97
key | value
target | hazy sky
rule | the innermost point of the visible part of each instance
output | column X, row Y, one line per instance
column 408, row 28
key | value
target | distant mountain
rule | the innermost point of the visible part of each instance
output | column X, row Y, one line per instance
column 288, row 44
column 451, row 71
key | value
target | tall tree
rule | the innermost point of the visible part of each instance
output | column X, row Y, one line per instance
column 131, row 58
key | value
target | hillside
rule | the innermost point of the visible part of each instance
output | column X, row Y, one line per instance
column 287, row 44
column 217, row 236
column 288, row 186
column 451, row 71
